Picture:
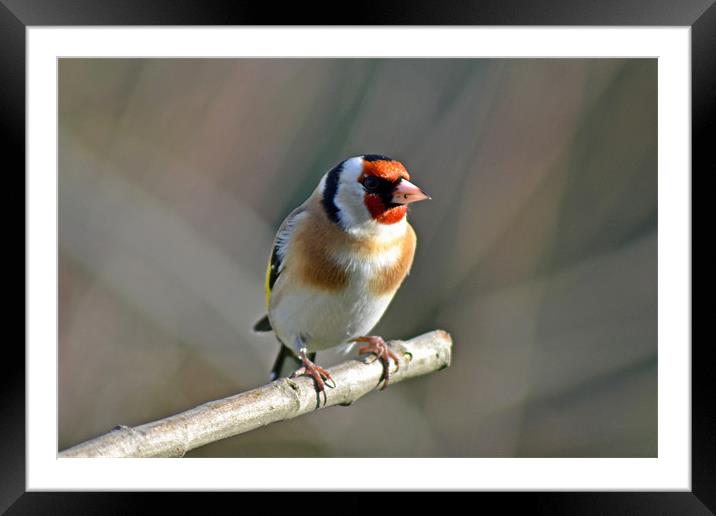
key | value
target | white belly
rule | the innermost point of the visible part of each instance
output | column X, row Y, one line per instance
column 324, row 319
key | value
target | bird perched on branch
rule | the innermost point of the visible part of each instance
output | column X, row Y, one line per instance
column 337, row 261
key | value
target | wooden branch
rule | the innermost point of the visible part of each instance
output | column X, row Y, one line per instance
column 277, row 401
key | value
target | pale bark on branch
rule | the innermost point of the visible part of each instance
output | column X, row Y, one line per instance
column 277, row 401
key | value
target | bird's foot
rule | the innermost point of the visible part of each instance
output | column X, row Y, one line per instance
column 319, row 374
column 382, row 351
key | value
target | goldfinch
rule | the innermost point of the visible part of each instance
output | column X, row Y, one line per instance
column 337, row 261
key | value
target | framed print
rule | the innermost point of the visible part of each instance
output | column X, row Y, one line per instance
column 170, row 152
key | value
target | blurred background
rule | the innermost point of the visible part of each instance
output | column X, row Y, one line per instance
column 538, row 252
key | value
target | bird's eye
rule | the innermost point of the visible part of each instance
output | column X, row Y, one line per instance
column 371, row 183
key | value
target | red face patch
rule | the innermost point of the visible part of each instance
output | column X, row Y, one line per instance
column 383, row 214
column 389, row 170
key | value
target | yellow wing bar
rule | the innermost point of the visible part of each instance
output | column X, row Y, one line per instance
column 267, row 284
column 272, row 272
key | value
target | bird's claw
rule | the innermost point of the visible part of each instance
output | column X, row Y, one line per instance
column 317, row 373
column 382, row 352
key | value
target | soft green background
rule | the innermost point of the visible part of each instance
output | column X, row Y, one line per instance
column 538, row 252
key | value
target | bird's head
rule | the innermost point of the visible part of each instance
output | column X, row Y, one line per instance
column 367, row 193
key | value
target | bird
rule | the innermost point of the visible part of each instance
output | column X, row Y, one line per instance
column 336, row 263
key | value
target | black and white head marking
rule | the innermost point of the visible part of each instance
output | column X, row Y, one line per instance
column 342, row 195
column 330, row 188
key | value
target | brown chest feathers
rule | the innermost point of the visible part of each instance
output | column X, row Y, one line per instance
column 319, row 244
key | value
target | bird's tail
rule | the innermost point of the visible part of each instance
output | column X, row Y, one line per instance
column 286, row 363
column 263, row 324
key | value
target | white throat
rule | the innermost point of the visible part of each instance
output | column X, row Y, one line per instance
column 375, row 230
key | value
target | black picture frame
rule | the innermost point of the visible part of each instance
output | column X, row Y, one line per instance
column 17, row 15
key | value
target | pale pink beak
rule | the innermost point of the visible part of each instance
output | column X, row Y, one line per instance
column 406, row 192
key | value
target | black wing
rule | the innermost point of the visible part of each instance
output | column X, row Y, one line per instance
column 275, row 263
